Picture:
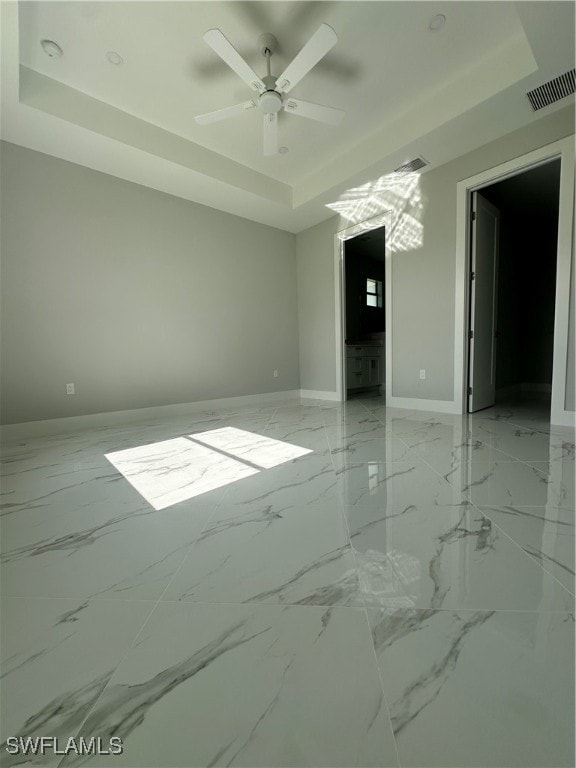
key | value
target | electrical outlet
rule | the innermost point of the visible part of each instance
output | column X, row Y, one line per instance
column 422, row 373
column 70, row 389
column 275, row 374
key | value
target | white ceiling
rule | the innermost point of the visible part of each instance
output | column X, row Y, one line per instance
column 404, row 88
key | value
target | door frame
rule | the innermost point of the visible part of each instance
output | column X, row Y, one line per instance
column 563, row 150
column 491, row 209
column 383, row 219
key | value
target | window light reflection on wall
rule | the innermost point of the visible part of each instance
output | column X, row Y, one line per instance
column 398, row 194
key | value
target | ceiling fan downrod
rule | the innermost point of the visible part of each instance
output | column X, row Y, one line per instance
column 270, row 99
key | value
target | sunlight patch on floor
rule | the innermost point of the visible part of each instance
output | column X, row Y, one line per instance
column 172, row 471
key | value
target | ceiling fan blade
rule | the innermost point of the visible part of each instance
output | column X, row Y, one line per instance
column 271, row 134
column 328, row 115
column 224, row 114
column 315, row 49
column 224, row 48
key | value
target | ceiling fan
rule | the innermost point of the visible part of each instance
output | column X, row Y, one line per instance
column 271, row 89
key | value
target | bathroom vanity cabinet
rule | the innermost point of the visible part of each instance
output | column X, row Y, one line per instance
column 364, row 365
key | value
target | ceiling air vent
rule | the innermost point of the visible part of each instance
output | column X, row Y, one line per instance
column 412, row 166
column 552, row 91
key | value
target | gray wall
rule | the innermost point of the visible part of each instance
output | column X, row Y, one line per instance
column 316, row 309
column 138, row 297
column 423, row 281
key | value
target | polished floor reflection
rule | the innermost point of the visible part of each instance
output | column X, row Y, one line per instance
column 298, row 584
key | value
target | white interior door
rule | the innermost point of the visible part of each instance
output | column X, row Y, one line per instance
column 483, row 303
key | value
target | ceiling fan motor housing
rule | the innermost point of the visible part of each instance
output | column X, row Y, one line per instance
column 270, row 102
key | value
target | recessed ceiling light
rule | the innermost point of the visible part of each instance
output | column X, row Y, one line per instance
column 437, row 22
column 283, row 150
column 51, row 49
column 114, row 58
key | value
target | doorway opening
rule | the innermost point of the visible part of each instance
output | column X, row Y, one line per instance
column 364, row 316
column 512, row 288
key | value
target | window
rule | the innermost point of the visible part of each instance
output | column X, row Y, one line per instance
column 373, row 293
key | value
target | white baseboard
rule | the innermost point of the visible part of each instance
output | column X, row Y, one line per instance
column 419, row 404
column 563, row 419
column 71, row 424
column 317, row 394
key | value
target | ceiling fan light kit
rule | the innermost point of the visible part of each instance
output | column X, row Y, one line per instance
column 271, row 89
column 270, row 102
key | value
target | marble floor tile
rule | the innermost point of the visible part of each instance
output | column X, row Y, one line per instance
column 168, row 472
column 351, row 414
column 310, row 402
column 494, row 483
column 257, row 423
column 561, row 480
column 378, row 405
column 299, row 556
column 310, row 416
column 206, row 596
column 454, row 557
column 306, row 480
column 57, row 656
column 341, row 435
column 256, row 450
column 380, row 576
column 450, row 457
column 528, row 413
column 372, row 488
column 365, row 450
column 520, row 442
column 72, row 485
column 545, row 533
column 87, row 554
column 247, row 686
column 478, row 688
column 402, row 421
column 313, row 438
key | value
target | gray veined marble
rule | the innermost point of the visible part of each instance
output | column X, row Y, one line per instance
column 545, row 533
column 521, row 443
column 296, row 415
column 313, row 437
column 495, row 483
column 86, row 553
column 347, row 433
column 531, row 415
column 369, row 490
column 504, row 682
column 179, row 469
column 455, row 456
column 247, row 686
column 57, row 661
column 309, row 480
column 299, row 556
column 455, row 558
column 561, row 481
column 365, row 449
column 294, row 584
